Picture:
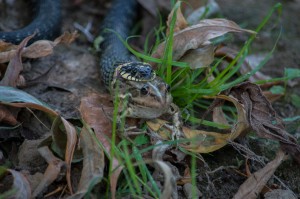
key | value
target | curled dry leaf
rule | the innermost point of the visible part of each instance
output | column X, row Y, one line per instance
column 64, row 142
column 203, row 141
column 93, row 164
column 262, row 117
column 15, row 65
column 254, row 184
column 206, row 142
column 20, row 188
column 38, row 49
column 199, row 36
column 52, row 172
column 169, row 181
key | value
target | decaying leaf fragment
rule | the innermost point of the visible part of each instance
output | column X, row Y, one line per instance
column 254, row 184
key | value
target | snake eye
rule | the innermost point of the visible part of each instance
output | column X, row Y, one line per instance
column 145, row 90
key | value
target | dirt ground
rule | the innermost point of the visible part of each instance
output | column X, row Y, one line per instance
column 74, row 73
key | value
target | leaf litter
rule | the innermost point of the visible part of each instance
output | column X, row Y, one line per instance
column 253, row 111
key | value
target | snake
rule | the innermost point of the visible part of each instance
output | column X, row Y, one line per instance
column 45, row 23
column 141, row 92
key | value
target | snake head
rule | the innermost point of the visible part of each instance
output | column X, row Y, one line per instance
column 145, row 94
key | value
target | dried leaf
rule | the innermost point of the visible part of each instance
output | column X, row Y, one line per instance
column 96, row 111
column 249, row 64
column 93, row 164
column 263, row 118
column 180, row 20
column 254, row 184
column 52, row 172
column 18, row 98
column 39, row 48
column 70, row 148
column 20, row 185
column 219, row 116
column 6, row 116
column 200, row 57
column 206, row 142
column 209, row 9
column 199, row 36
column 15, row 65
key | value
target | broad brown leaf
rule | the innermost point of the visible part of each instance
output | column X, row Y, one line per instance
column 96, row 111
column 198, row 36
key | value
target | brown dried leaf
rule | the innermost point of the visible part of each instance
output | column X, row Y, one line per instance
column 219, row 116
column 263, row 118
column 39, row 48
column 66, row 38
column 15, row 66
column 199, row 36
column 200, row 57
column 206, row 142
column 70, row 148
column 93, row 164
column 96, row 111
column 52, row 172
column 254, row 184
column 6, row 116
column 180, row 20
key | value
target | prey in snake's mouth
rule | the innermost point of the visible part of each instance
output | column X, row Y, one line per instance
column 146, row 95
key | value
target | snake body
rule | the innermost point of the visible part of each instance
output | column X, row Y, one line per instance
column 116, row 26
column 45, row 23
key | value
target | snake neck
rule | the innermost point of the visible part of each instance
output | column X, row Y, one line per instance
column 117, row 23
